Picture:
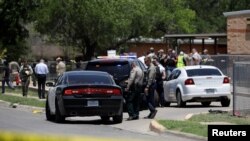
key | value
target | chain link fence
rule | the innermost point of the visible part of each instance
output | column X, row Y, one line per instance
column 236, row 67
column 241, row 88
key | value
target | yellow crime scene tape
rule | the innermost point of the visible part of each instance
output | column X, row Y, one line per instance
column 18, row 136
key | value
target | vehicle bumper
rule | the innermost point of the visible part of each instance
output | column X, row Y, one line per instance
column 200, row 94
column 111, row 106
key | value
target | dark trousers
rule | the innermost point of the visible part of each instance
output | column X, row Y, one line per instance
column 34, row 79
column 159, row 89
column 133, row 101
column 150, row 99
column 41, row 79
column 25, row 86
column 8, row 82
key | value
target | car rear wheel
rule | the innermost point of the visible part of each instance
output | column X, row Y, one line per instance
column 225, row 102
column 180, row 103
column 118, row 118
column 49, row 116
column 59, row 118
column 206, row 104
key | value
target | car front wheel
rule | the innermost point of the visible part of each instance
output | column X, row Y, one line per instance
column 49, row 116
column 180, row 103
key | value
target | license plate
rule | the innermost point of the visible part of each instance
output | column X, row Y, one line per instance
column 210, row 91
column 92, row 103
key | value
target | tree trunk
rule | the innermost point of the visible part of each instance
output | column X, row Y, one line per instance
column 89, row 53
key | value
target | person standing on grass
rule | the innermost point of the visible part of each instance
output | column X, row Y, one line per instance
column 25, row 73
column 41, row 71
column 6, row 77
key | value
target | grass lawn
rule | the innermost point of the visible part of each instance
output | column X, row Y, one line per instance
column 18, row 91
column 17, row 97
column 194, row 126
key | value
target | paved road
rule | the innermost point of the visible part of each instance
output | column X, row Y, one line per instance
column 24, row 120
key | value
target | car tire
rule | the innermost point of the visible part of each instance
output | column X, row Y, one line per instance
column 105, row 118
column 167, row 104
column 225, row 102
column 58, row 118
column 49, row 116
column 118, row 118
column 206, row 103
column 180, row 103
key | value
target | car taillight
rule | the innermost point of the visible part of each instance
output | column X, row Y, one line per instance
column 189, row 82
column 226, row 80
column 110, row 91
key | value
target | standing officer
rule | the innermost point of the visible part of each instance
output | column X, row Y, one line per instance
column 6, row 77
column 41, row 70
column 134, row 87
column 149, row 90
column 60, row 67
column 25, row 73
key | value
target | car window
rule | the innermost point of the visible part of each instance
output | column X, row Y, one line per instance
column 171, row 76
column 203, row 72
column 142, row 66
column 177, row 74
column 89, row 79
column 59, row 80
column 118, row 69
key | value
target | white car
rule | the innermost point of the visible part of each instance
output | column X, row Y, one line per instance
column 199, row 83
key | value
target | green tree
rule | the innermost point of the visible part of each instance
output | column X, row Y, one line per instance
column 210, row 16
column 14, row 15
column 97, row 25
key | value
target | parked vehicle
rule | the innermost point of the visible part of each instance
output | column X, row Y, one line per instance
column 119, row 68
column 199, row 83
column 84, row 93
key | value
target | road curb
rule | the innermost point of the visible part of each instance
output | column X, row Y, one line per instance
column 156, row 127
column 160, row 129
column 16, row 105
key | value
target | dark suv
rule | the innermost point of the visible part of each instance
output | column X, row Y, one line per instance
column 120, row 70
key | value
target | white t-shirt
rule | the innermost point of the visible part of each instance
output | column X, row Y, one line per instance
column 196, row 59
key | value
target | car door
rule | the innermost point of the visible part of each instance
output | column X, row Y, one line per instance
column 167, row 87
column 52, row 93
column 174, row 83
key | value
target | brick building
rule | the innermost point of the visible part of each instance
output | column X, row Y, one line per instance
column 238, row 32
column 215, row 43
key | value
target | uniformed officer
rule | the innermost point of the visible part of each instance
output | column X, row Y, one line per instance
column 25, row 73
column 149, row 89
column 134, row 88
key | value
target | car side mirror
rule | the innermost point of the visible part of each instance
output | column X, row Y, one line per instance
column 50, row 84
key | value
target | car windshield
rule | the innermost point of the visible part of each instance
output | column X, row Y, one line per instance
column 118, row 69
column 89, row 79
column 203, row 72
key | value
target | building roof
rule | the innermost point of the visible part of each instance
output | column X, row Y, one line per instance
column 198, row 36
column 236, row 13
